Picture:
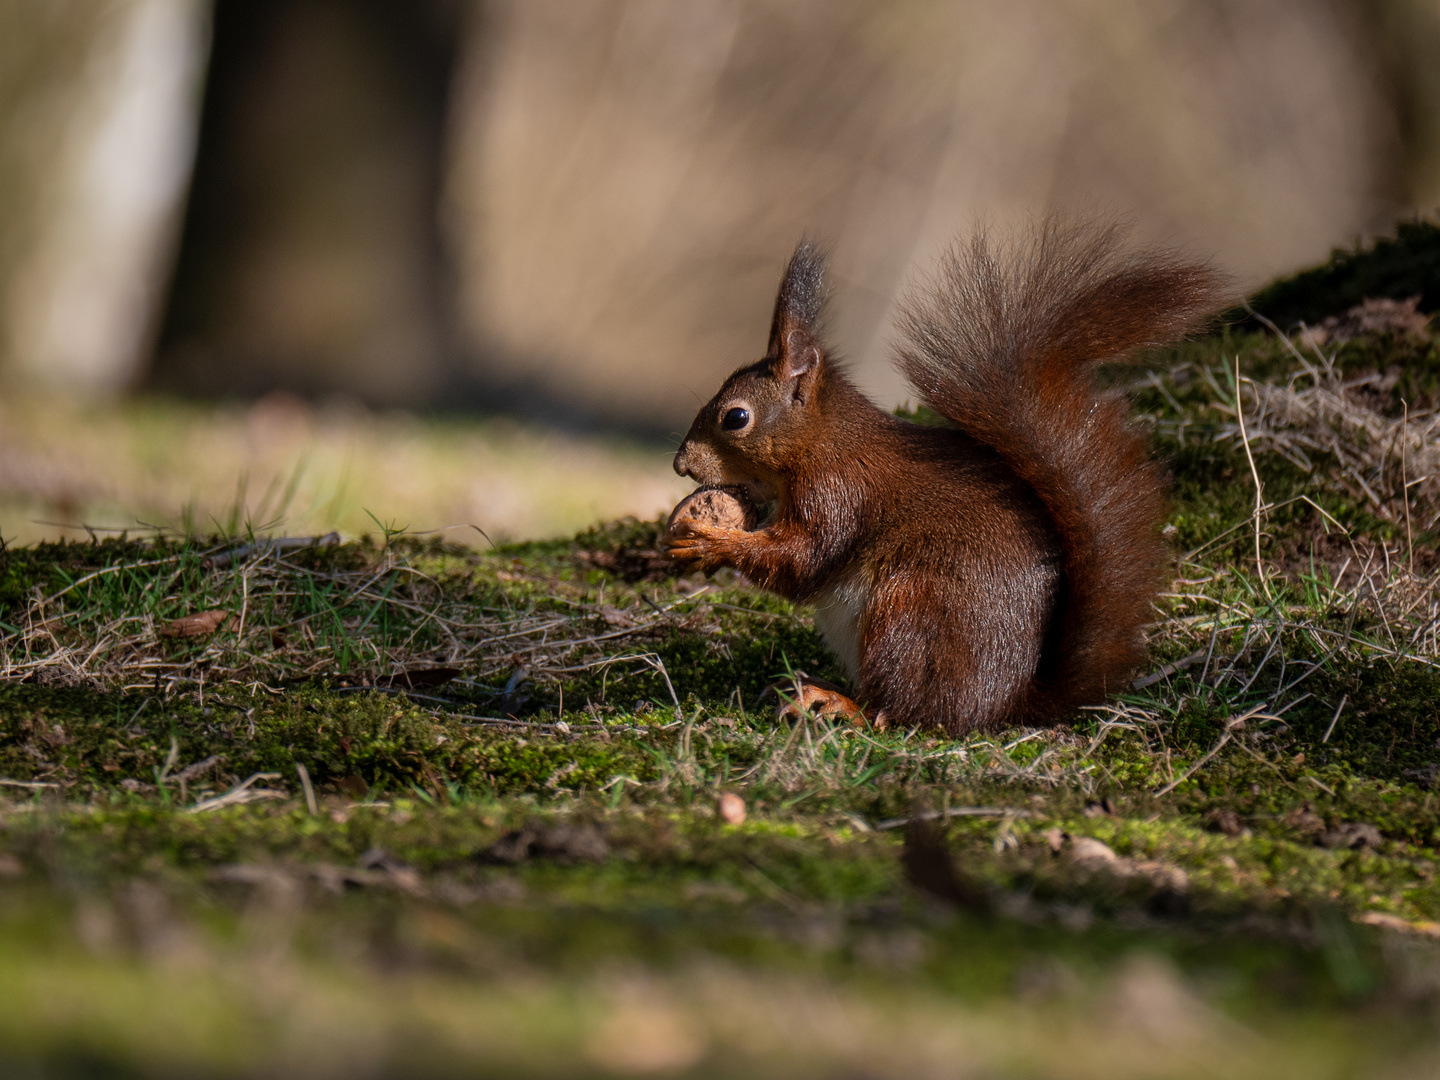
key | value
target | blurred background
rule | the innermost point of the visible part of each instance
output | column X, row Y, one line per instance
column 475, row 262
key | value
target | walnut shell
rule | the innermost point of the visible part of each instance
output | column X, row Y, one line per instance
column 722, row 507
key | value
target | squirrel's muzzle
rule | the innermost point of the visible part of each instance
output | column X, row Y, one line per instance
column 698, row 461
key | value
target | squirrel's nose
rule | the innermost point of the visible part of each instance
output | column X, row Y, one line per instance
column 682, row 461
column 697, row 459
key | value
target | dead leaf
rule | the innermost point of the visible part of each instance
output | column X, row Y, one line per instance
column 354, row 786
column 1305, row 821
column 1373, row 315
column 613, row 616
column 1087, row 851
column 563, row 843
column 1170, row 881
column 1352, row 835
column 206, row 622
column 420, row 678
column 1227, row 821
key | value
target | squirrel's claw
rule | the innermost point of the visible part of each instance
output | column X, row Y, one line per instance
column 824, row 701
column 696, row 544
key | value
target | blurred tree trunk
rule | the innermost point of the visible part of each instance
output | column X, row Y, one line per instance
column 97, row 120
column 311, row 258
column 1402, row 39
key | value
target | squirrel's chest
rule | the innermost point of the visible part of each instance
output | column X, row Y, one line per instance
column 838, row 611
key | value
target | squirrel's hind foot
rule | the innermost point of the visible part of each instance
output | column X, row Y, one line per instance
column 823, row 700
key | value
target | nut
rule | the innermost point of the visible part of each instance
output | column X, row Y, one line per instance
column 731, row 808
column 719, row 507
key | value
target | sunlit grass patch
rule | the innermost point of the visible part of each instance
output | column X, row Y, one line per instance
column 282, row 464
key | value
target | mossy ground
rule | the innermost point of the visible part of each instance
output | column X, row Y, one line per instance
column 511, row 857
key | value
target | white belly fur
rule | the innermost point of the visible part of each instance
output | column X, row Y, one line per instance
column 838, row 611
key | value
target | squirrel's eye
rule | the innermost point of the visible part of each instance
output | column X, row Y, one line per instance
column 735, row 419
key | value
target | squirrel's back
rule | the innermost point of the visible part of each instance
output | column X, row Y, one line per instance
column 1003, row 343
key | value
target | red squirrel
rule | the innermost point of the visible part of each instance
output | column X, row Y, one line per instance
column 996, row 571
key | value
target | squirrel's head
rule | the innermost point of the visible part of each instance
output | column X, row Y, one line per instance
column 755, row 428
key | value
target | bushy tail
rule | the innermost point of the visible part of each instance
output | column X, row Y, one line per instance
column 1003, row 344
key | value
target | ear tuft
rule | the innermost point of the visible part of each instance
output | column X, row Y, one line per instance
column 800, row 301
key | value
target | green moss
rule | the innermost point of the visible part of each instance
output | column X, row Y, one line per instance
column 1398, row 267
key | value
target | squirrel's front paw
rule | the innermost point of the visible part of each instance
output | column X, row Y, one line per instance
column 701, row 546
column 707, row 525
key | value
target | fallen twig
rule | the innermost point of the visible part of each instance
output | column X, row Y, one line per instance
column 222, row 559
column 954, row 811
column 243, row 792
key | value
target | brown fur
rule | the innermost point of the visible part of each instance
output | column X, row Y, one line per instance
column 1001, row 570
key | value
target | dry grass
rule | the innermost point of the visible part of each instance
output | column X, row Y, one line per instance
column 284, row 616
column 1391, row 463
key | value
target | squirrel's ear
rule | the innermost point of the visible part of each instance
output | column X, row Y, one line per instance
column 794, row 332
column 799, row 304
column 799, row 355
